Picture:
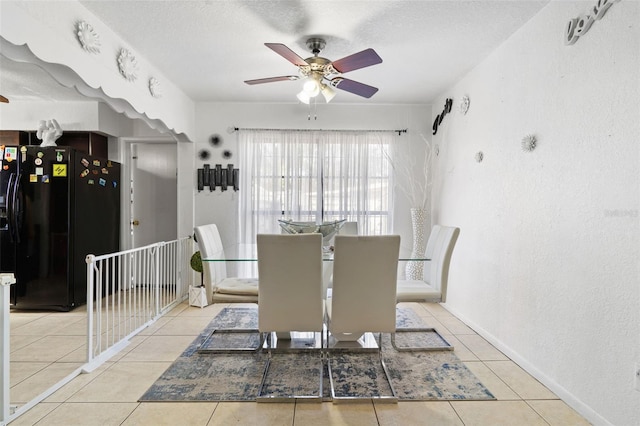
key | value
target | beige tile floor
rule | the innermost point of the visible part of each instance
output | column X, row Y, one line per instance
column 46, row 346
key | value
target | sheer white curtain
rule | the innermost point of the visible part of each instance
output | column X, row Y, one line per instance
column 313, row 176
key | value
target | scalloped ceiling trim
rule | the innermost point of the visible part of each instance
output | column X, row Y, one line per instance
column 69, row 78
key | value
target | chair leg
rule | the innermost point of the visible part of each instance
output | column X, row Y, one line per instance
column 203, row 346
column 261, row 397
column 393, row 398
column 445, row 346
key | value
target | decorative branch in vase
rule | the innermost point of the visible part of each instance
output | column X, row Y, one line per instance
column 414, row 182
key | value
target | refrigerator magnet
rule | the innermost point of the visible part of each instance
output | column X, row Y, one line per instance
column 115, row 184
column 10, row 153
column 45, row 179
column 85, row 162
column 90, row 182
column 84, row 173
column 59, row 156
column 105, row 171
column 96, row 163
column 59, row 170
column 102, row 182
column 95, row 172
column 40, row 154
column 39, row 171
column 38, row 161
column 33, row 178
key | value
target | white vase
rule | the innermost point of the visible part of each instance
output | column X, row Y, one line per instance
column 414, row 270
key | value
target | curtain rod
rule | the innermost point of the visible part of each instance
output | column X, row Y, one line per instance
column 399, row 132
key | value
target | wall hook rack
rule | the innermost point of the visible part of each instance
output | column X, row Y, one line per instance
column 218, row 176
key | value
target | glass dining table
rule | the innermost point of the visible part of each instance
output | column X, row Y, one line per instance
column 241, row 260
column 249, row 253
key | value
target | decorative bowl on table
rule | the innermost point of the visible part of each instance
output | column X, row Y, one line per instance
column 327, row 229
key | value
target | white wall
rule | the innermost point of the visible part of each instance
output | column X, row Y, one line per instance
column 215, row 118
column 546, row 265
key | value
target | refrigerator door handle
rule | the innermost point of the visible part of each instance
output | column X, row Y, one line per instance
column 10, row 210
column 15, row 209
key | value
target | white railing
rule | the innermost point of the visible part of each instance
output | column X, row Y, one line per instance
column 127, row 291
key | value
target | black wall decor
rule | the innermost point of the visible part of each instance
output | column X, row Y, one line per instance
column 218, row 176
column 446, row 110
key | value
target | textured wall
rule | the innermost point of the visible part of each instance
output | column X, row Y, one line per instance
column 546, row 265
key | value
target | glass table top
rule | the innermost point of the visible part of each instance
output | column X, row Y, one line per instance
column 249, row 253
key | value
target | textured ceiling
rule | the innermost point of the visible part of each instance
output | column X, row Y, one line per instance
column 208, row 48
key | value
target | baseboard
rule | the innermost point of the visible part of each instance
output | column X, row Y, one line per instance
column 584, row 410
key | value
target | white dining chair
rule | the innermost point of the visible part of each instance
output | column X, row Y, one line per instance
column 219, row 287
column 290, row 302
column 363, row 298
column 433, row 286
column 223, row 289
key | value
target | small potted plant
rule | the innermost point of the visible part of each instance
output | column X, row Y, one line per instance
column 197, row 294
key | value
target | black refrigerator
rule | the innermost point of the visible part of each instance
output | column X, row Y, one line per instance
column 56, row 206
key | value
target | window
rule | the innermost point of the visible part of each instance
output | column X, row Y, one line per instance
column 304, row 175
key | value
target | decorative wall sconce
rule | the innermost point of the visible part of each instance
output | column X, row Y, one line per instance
column 218, row 176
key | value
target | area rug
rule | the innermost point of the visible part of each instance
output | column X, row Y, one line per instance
column 197, row 376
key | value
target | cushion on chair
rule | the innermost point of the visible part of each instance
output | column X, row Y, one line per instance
column 413, row 290
column 239, row 286
column 233, row 298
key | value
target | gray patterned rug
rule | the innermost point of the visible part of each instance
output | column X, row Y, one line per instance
column 196, row 376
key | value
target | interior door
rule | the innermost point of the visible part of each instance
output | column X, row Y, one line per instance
column 154, row 193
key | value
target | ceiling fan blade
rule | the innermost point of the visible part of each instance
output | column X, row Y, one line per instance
column 4, row 100
column 356, row 61
column 272, row 79
column 354, row 87
column 286, row 53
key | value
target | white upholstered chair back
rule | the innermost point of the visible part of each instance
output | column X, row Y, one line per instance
column 443, row 246
column 290, row 271
column 210, row 245
column 364, row 285
column 349, row 228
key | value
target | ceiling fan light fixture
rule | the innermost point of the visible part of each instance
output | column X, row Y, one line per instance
column 304, row 97
column 311, row 87
column 327, row 92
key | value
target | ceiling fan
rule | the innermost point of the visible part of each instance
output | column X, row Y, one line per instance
column 321, row 74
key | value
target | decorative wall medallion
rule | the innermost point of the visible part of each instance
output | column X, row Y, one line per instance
column 227, row 154
column 215, row 140
column 464, row 104
column 128, row 65
column 154, row 88
column 479, row 156
column 528, row 143
column 203, row 154
column 88, row 38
